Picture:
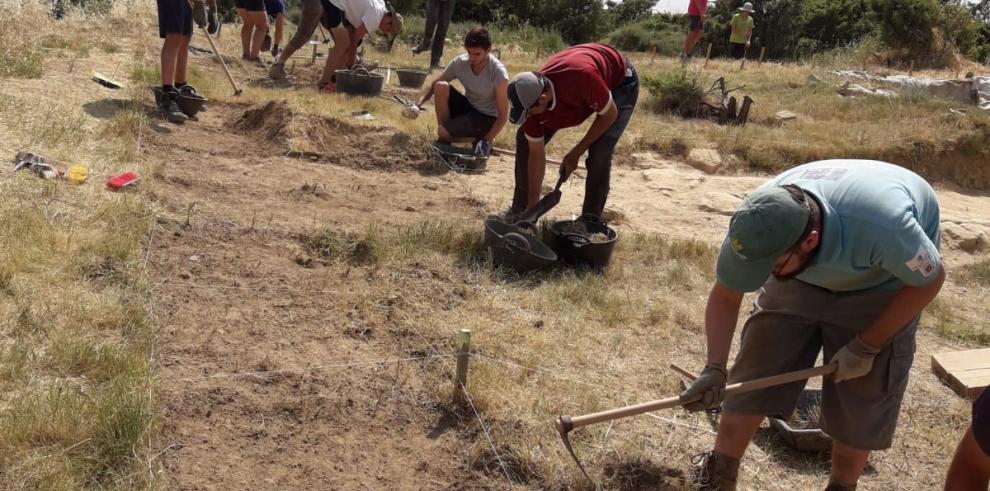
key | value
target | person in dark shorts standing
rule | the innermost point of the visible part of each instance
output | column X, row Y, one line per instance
column 438, row 13
column 970, row 468
column 845, row 256
column 696, row 16
column 309, row 18
column 276, row 13
column 252, row 13
column 574, row 84
column 483, row 110
column 349, row 21
column 175, row 25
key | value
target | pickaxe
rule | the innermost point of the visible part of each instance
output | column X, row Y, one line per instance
column 567, row 423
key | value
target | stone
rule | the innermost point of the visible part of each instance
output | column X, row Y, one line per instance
column 706, row 160
column 724, row 204
column 966, row 237
column 785, row 115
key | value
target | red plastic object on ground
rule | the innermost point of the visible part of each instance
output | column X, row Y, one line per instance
column 123, row 180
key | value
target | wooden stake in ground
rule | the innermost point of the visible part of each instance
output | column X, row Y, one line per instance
column 463, row 355
column 763, row 51
column 911, row 68
column 708, row 55
column 653, row 55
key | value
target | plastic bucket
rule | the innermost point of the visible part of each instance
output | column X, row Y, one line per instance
column 359, row 82
column 587, row 241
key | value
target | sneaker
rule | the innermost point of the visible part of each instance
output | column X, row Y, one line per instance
column 418, row 49
column 685, row 58
column 169, row 108
column 277, row 71
column 714, row 472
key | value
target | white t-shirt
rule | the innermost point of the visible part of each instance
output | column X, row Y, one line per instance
column 367, row 13
column 478, row 88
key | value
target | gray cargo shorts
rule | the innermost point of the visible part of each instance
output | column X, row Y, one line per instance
column 791, row 323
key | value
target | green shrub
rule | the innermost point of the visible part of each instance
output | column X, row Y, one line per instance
column 640, row 37
column 674, row 92
column 907, row 23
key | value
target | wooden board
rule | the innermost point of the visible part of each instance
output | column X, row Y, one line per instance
column 967, row 372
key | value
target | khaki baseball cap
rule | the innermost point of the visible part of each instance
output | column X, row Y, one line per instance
column 767, row 223
column 524, row 90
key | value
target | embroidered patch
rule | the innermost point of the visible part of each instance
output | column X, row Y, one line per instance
column 828, row 174
column 922, row 262
column 736, row 245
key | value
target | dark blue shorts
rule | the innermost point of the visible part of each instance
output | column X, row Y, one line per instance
column 981, row 421
column 696, row 24
column 174, row 17
column 275, row 7
column 250, row 5
column 333, row 16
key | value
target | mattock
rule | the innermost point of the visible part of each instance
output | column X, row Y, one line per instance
column 565, row 424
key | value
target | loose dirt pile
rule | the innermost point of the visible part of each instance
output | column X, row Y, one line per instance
column 331, row 140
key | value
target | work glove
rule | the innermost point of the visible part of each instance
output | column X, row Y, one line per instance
column 710, row 385
column 483, row 148
column 199, row 13
column 410, row 112
column 854, row 360
column 213, row 21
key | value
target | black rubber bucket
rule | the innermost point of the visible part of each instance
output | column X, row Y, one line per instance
column 587, row 241
column 517, row 248
column 411, row 78
column 359, row 82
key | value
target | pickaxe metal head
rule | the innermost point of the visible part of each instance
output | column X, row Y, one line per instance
column 564, row 427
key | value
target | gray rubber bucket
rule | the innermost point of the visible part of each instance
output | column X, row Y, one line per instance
column 359, row 82
column 411, row 78
column 517, row 248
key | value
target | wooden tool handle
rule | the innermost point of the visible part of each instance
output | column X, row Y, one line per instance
column 226, row 71
column 569, row 423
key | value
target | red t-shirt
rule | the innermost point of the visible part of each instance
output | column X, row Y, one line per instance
column 583, row 78
column 693, row 7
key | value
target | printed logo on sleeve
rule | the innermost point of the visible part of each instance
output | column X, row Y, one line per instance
column 922, row 262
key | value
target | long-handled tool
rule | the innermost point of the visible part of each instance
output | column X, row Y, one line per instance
column 567, row 423
column 213, row 45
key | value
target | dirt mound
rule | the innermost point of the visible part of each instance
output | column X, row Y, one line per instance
column 332, row 140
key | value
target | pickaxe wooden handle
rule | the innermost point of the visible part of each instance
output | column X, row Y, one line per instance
column 226, row 71
column 567, row 423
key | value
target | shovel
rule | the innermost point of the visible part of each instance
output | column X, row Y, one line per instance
column 565, row 424
column 546, row 203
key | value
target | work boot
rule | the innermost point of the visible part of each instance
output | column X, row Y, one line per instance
column 169, row 108
column 715, row 472
column 277, row 71
column 834, row 486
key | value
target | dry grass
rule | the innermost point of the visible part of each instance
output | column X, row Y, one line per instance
column 76, row 410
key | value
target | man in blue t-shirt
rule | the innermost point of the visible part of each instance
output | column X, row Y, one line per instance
column 845, row 256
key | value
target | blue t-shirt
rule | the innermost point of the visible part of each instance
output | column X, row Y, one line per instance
column 880, row 225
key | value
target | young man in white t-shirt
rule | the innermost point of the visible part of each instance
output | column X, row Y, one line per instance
column 349, row 21
column 483, row 110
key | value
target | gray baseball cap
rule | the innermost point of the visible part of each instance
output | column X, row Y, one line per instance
column 768, row 223
column 524, row 89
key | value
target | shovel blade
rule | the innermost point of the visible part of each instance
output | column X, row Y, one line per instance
column 545, row 204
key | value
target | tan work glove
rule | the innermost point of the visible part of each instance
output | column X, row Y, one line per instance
column 199, row 13
column 854, row 360
column 710, row 385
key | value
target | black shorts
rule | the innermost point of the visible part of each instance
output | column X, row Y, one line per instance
column 981, row 421
column 696, row 24
column 250, row 5
column 737, row 50
column 174, row 17
column 466, row 121
column 333, row 16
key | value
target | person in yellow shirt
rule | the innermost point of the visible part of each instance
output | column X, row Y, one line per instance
column 742, row 30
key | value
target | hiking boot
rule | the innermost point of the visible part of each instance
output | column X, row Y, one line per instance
column 834, row 486
column 277, row 71
column 714, row 472
column 169, row 108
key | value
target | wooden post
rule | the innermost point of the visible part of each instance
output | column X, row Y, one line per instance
column 314, row 55
column 708, row 55
column 911, row 68
column 813, row 55
column 763, row 51
column 536, row 56
column 463, row 355
column 653, row 55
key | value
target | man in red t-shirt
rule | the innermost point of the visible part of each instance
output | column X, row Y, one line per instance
column 571, row 86
column 696, row 13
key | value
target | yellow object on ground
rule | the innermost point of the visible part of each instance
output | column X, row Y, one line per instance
column 77, row 174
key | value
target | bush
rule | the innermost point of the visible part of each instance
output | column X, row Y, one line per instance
column 907, row 24
column 674, row 92
column 640, row 37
